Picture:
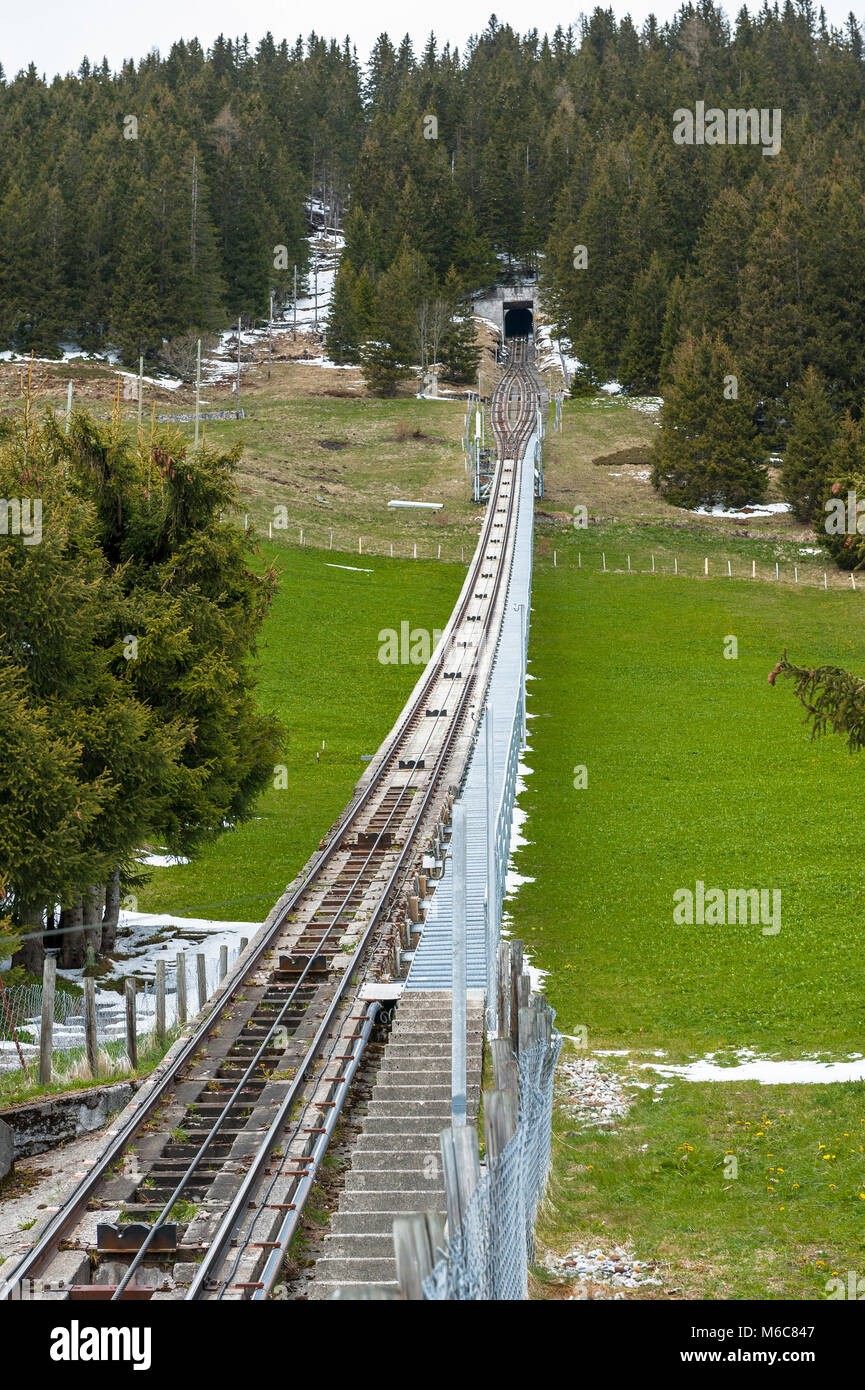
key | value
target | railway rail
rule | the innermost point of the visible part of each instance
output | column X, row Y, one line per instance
column 202, row 1184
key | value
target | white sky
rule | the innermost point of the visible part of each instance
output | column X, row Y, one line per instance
column 55, row 34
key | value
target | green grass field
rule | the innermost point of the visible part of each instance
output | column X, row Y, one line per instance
column 320, row 671
column 698, row 769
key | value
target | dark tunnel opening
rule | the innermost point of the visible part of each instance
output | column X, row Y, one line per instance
column 518, row 321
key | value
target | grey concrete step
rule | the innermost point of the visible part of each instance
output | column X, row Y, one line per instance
column 392, row 1180
column 411, row 1127
column 325, row 1288
column 397, row 1143
column 366, row 1270
column 391, row 1201
column 385, row 1089
column 425, row 1166
column 437, row 1110
column 362, row 1223
column 356, row 1246
column 402, row 1076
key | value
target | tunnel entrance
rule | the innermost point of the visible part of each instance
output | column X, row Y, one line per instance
column 519, row 322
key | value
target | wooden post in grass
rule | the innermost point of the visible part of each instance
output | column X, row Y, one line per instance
column 131, row 1023
column 46, row 1030
column 91, row 1045
column 753, row 569
column 160, row 1001
column 181, row 989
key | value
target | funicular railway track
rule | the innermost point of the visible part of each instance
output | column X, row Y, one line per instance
column 202, row 1184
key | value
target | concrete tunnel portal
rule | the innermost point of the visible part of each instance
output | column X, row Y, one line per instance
column 518, row 319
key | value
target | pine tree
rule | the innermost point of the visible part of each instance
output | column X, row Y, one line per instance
column 709, row 451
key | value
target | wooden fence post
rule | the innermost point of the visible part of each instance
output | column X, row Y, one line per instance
column 462, row 1171
column 500, row 1121
column 201, row 971
column 516, row 972
column 46, row 1031
column 505, row 1068
column 416, row 1239
column 160, row 1001
column 223, row 962
column 503, row 987
column 181, row 989
column 131, row 1023
column 91, row 1044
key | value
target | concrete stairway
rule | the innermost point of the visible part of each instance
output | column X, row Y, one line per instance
column 396, row 1164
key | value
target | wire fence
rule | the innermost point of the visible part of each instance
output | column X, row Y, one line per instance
column 784, row 571
column 488, row 1257
column 21, row 1015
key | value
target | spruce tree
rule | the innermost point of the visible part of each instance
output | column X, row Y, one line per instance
column 709, row 451
column 640, row 360
column 808, row 455
column 341, row 336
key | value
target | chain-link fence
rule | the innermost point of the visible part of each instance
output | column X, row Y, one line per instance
column 488, row 1257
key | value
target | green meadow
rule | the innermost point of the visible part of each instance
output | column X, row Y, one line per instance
column 697, row 769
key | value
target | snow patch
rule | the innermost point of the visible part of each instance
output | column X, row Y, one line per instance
column 742, row 514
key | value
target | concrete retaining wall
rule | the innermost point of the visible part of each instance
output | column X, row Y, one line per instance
column 43, row 1124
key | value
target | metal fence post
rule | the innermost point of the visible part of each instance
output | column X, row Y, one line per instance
column 458, row 971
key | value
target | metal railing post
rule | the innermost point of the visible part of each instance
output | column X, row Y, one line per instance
column 459, row 1100
column 492, row 894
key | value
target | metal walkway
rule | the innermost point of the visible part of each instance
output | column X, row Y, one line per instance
column 431, row 967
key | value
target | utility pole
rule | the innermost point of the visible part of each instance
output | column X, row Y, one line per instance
column 237, row 402
column 197, row 391
column 270, row 337
column 295, row 304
